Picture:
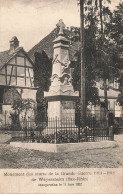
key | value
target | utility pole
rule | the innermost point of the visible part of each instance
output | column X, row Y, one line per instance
column 105, row 83
column 82, row 100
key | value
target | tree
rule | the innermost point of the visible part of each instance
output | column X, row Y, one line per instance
column 41, row 114
column 107, row 50
column 115, row 27
column 108, row 43
column 115, row 30
column 91, row 92
column 23, row 105
column 42, row 74
column 101, row 51
column 42, row 71
column 120, row 97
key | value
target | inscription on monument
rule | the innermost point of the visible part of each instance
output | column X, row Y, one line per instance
column 68, row 105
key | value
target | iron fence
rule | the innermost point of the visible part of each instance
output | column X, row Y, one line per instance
column 64, row 130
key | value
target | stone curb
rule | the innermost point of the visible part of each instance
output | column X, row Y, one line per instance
column 68, row 147
column 4, row 138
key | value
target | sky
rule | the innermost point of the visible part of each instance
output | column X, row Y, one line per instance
column 32, row 20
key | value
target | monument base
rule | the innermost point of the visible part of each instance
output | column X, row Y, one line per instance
column 61, row 107
column 61, row 102
column 61, row 110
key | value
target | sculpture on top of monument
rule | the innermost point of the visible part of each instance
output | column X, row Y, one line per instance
column 60, row 25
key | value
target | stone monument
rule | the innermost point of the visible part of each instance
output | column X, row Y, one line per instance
column 61, row 96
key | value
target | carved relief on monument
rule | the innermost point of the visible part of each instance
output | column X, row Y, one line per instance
column 65, row 66
column 68, row 104
column 65, row 61
column 66, row 79
column 55, row 79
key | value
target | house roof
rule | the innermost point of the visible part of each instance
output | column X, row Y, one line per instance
column 6, row 56
column 46, row 44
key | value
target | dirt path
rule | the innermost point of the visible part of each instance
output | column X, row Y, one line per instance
column 98, row 158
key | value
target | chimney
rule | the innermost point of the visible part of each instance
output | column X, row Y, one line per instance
column 14, row 43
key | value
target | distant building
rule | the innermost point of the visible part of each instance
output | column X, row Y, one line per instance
column 16, row 79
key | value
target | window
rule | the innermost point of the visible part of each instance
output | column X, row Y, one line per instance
column 116, row 84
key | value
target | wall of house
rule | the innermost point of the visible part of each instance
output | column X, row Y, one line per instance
column 10, row 96
column 5, row 116
column 19, row 72
column 112, row 94
column 18, row 75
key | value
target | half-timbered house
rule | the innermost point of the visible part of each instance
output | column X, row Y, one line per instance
column 16, row 78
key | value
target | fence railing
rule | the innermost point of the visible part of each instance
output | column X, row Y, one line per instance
column 99, row 115
column 65, row 131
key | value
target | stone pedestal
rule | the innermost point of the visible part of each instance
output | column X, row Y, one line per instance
column 61, row 103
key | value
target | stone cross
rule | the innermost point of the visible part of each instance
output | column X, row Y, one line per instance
column 61, row 25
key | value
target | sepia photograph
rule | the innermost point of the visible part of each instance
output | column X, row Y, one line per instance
column 61, row 94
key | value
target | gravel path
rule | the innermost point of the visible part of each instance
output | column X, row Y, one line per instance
column 11, row 157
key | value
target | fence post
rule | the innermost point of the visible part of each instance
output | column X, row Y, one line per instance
column 56, row 132
column 93, row 128
column 111, row 133
column 5, row 119
column 79, row 130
